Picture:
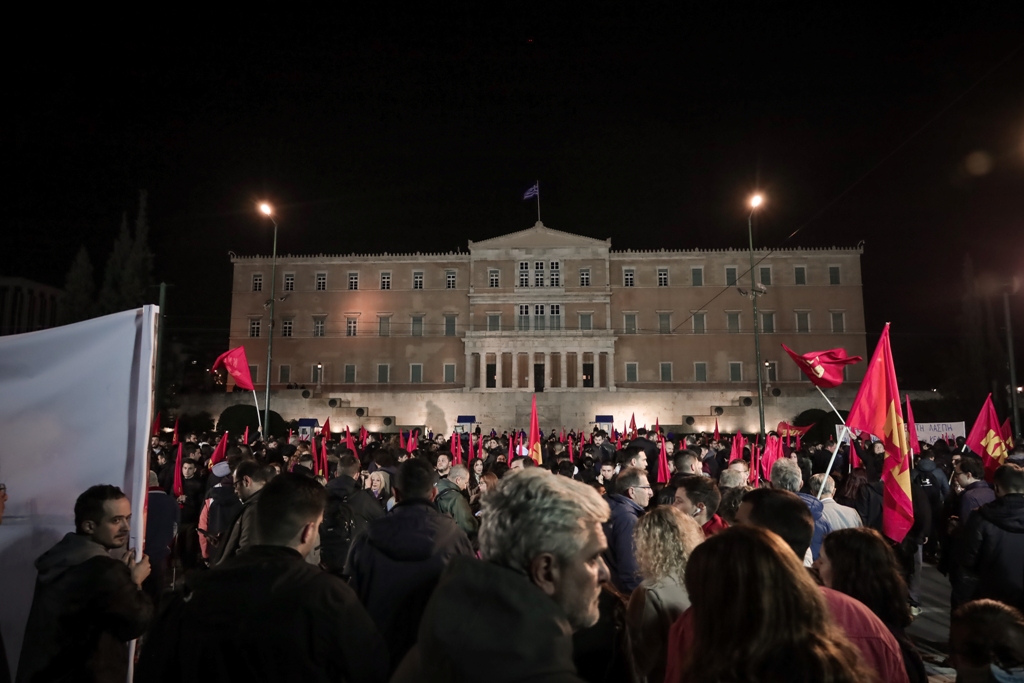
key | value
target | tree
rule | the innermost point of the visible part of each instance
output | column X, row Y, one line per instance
column 128, row 274
column 79, row 302
column 112, row 299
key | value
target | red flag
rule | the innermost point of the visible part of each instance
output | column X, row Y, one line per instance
column 786, row 429
column 174, row 437
column 156, row 424
column 915, row 445
column 823, row 368
column 325, row 431
column 362, row 437
column 755, row 466
column 317, row 471
column 716, row 430
column 179, row 487
column 986, row 438
column 289, row 436
column 401, row 440
column 1008, row 434
column 414, row 439
column 237, row 365
column 511, row 446
column 534, row 443
column 455, row 445
column 349, row 441
column 245, row 436
column 663, row 474
column 220, row 452
column 877, row 411
column 632, row 426
column 736, row 452
column 480, row 447
column 570, row 448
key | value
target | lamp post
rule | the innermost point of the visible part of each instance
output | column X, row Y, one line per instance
column 319, row 378
column 1013, row 366
column 268, row 211
column 755, row 202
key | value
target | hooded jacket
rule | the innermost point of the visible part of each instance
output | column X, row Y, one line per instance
column 993, row 548
column 821, row 525
column 396, row 563
column 489, row 624
column 621, row 554
column 85, row 609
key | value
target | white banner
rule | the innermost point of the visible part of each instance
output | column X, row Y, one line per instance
column 75, row 409
column 933, row 431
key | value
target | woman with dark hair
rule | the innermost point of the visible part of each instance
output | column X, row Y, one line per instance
column 851, row 486
column 758, row 616
column 860, row 563
column 476, row 469
column 488, row 482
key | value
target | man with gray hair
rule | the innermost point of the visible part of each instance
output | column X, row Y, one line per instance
column 452, row 501
column 786, row 476
column 515, row 612
column 839, row 516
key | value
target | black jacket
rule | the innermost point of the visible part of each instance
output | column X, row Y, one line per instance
column 162, row 515
column 84, row 611
column 241, row 532
column 264, row 615
column 396, row 563
column 195, row 496
column 993, row 548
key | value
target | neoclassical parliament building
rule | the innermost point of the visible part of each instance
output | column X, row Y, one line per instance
column 541, row 310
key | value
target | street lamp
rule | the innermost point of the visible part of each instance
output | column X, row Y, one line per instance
column 268, row 211
column 319, row 377
column 755, row 202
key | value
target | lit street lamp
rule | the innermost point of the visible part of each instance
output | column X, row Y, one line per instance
column 755, row 202
column 268, row 211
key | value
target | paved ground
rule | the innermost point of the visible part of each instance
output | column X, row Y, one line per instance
column 930, row 630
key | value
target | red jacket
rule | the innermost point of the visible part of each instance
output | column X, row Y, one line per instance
column 713, row 526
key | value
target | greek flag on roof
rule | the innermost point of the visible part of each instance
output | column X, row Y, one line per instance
column 533, row 191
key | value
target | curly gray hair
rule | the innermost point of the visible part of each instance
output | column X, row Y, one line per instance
column 786, row 475
column 533, row 512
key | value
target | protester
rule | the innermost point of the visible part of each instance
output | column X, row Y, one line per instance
column 87, row 605
column 511, row 616
column 396, row 562
column 453, row 502
column 986, row 643
column 849, row 490
column 730, row 505
column 664, row 539
column 379, row 486
column 731, row 478
column 632, row 494
column 786, row 476
column 838, row 516
column 993, row 542
column 698, row 498
column 249, row 479
column 162, row 518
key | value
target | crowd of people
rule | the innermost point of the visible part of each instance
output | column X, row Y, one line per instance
column 291, row 559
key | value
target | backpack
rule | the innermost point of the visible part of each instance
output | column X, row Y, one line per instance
column 336, row 533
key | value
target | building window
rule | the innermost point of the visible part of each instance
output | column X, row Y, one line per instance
column 556, row 274
column 449, row 373
column 664, row 323
column 800, row 275
column 586, row 321
column 353, row 281
column 538, row 317
column 697, row 277
column 284, row 374
column 257, row 282
column 735, row 371
column 494, row 278
column 700, row 372
column 417, row 279
column 629, row 323
column 700, row 323
column 350, row 374
column 555, row 311
column 493, row 323
column 254, row 371
column 766, row 275
column 449, row 279
column 319, row 325
column 663, row 277
column 254, row 328
column 628, row 277
column 631, row 372
column 584, row 277
column 350, row 327
column 524, row 317
column 803, row 321
column 768, row 322
column 449, row 326
column 315, row 372
column 289, row 282
column 321, row 282
column 383, row 373
column 838, row 322
column 524, row 274
column 730, row 275
column 538, row 274
column 385, row 280
column 666, row 372
column 286, row 327
column 833, row 275
column 771, row 371
column 416, row 373
column 384, row 326
column 732, row 322
column 417, row 326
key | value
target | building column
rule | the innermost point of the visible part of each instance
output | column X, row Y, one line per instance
column 579, row 368
column 468, row 380
column 547, row 370
column 611, row 369
column 563, row 357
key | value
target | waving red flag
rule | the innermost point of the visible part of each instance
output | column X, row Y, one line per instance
column 179, row 487
column 480, row 447
column 877, row 411
column 915, row 445
column 174, row 437
column 362, row 436
column 823, row 368
column 534, row 443
column 717, row 437
column 220, row 452
column 325, row 431
column 736, row 452
column 986, row 438
column 413, row 442
column 663, row 473
column 1007, row 434
column 237, row 365
column 245, row 436
column 317, row 472
column 632, row 426
column 786, row 429
column 350, row 443
column 156, row 424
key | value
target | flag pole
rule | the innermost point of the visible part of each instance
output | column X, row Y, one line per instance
column 831, row 461
column 258, row 418
column 840, row 440
column 538, row 201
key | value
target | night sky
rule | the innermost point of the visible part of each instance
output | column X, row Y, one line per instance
column 649, row 123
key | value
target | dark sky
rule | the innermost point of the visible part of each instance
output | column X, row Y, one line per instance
column 650, row 123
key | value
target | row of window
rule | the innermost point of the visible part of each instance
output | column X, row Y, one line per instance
column 384, row 373
column 700, row 372
column 699, row 322
column 551, row 276
column 416, row 326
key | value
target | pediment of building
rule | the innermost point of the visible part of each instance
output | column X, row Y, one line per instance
column 538, row 236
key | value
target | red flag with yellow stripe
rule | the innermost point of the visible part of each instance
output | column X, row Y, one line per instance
column 877, row 411
column 986, row 439
column 534, row 443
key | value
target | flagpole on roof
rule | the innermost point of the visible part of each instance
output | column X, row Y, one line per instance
column 538, row 201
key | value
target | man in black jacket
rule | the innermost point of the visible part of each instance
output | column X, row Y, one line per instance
column 993, row 543
column 87, row 605
column 266, row 614
column 350, row 509
column 395, row 564
column 248, row 481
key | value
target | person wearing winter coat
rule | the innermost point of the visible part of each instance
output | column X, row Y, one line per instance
column 993, row 542
column 633, row 493
column 451, row 501
column 786, row 476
